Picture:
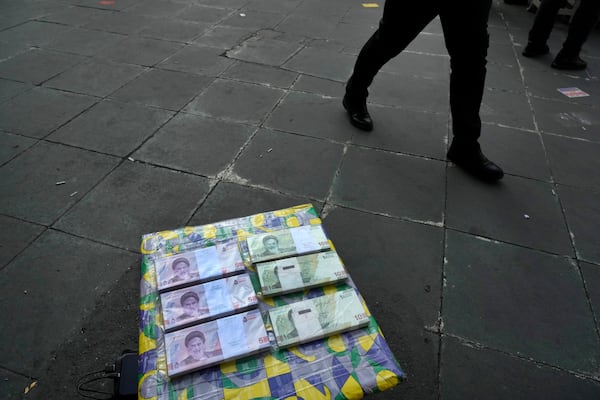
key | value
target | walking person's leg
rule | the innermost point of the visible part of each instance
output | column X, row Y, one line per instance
column 542, row 27
column 467, row 41
column 583, row 21
column 401, row 23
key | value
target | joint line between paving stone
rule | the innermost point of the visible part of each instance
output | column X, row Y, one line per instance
column 24, row 375
column 46, row 228
column 480, row 346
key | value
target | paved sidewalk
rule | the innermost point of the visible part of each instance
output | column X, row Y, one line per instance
column 123, row 117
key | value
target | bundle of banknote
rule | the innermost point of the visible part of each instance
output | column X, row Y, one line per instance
column 302, row 272
column 317, row 317
column 204, row 345
column 287, row 242
column 207, row 301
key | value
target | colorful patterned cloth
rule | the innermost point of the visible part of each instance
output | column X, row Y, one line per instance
column 343, row 366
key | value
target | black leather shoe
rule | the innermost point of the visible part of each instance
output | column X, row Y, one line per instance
column 358, row 113
column 472, row 160
column 536, row 50
column 568, row 62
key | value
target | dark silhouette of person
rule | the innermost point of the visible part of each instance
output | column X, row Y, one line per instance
column 465, row 32
column 583, row 21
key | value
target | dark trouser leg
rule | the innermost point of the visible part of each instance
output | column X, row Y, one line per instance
column 401, row 23
column 467, row 40
column 544, row 21
column 584, row 20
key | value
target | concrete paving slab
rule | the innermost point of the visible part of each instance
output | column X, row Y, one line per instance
column 358, row 14
column 32, row 282
column 90, row 348
column 591, row 276
column 409, row 92
column 391, row 184
column 83, row 41
column 236, row 101
column 119, row 22
column 573, row 120
column 582, row 211
column 227, row 4
column 504, row 77
column 314, row 27
column 518, row 152
column 572, row 160
column 264, row 50
column 516, row 210
column 95, row 78
column 201, row 60
column 51, row 108
column 12, row 385
column 305, row 166
column 547, row 85
column 353, row 36
column 140, row 51
column 515, row 300
column 13, row 145
column 29, row 181
column 499, row 34
column 223, row 37
column 149, row 199
column 471, row 372
column 8, row 22
column 401, row 283
column 112, row 127
column 501, row 54
column 170, row 90
column 157, row 8
column 406, row 131
column 9, row 50
column 312, row 115
column 408, row 273
column 116, row 6
column 200, row 13
column 224, row 203
column 281, row 6
column 418, row 64
column 249, row 19
column 430, row 43
column 195, row 144
column 331, row 8
column 10, row 89
column 73, row 15
column 261, row 74
column 15, row 236
column 325, row 87
column 506, row 108
column 33, row 33
column 36, row 66
column 322, row 63
column 175, row 30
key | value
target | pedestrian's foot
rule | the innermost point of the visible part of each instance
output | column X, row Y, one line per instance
column 472, row 160
column 568, row 62
column 358, row 113
column 535, row 50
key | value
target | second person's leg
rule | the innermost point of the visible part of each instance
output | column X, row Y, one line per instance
column 401, row 23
